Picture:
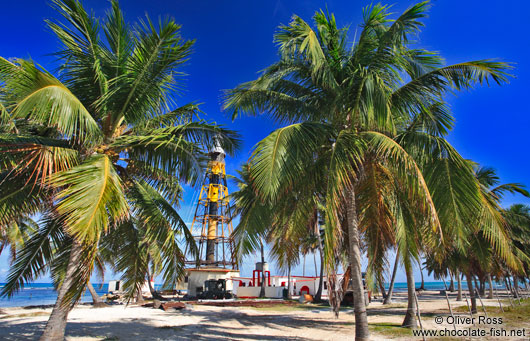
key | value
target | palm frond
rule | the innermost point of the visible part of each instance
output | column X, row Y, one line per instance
column 38, row 96
column 34, row 258
column 151, row 70
column 83, row 52
column 279, row 160
column 88, row 194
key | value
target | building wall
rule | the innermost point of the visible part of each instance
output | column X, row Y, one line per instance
column 197, row 278
column 250, row 292
column 278, row 283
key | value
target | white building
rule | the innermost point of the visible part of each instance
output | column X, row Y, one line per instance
column 246, row 287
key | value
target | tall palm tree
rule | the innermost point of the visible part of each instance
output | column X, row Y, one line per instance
column 388, row 298
column 484, row 257
column 287, row 225
column 344, row 106
column 485, row 245
column 285, row 251
column 518, row 219
column 108, row 148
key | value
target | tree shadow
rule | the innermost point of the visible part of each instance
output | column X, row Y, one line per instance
column 208, row 328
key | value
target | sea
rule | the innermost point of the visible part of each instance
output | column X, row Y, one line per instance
column 45, row 294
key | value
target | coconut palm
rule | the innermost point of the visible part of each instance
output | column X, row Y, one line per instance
column 484, row 258
column 518, row 219
column 285, row 251
column 105, row 149
column 486, row 246
column 345, row 106
column 515, row 221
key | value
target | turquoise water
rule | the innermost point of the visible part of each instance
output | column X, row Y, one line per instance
column 41, row 294
column 44, row 293
column 402, row 286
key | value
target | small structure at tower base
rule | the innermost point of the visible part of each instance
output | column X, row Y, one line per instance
column 198, row 277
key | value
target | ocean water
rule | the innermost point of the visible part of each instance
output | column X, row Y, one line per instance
column 44, row 293
column 402, row 286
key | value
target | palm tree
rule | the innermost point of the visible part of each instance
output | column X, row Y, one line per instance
column 344, row 107
column 96, row 300
column 262, row 285
column 285, row 251
column 388, row 298
column 485, row 245
column 255, row 221
column 422, row 286
column 104, row 149
column 486, row 261
column 518, row 219
column 259, row 223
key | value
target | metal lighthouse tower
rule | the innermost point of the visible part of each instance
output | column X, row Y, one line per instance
column 212, row 217
column 212, row 273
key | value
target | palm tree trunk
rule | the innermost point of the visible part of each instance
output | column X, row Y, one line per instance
column 96, row 300
column 303, row 267
column 515, row 287
column 315, row 263
column 410, row 318
column 388, row 298
column 318, row 295
column 139, row 296
column 508, row 284
column 262, row 290
column 452, row 284
column 477, row 286
column 361, row 321
column 56, row 324
column 482, row 286
column 422, row 287
column 471, row 293
column 152, row 290
column 289, row 286
column 381, row 287
column 490, row 289
column 459, row 285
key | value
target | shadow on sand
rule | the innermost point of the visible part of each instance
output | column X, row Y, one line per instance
column 209, row 329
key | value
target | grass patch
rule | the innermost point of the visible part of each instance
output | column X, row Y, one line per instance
column 393, row 305
column 461, row 309
column 295, row 307
column 389, row 329
column 512, row 316
column 286, row 307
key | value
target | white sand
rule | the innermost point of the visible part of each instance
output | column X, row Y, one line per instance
column 214, row 323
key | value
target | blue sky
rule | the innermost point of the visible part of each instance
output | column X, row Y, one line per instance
column 234, row 42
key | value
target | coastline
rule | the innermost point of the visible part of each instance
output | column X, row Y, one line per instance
column 38, row 294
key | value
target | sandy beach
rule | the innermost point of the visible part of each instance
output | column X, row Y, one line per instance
column 202, row 322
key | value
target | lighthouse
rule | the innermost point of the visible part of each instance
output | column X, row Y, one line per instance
column 212, row 230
